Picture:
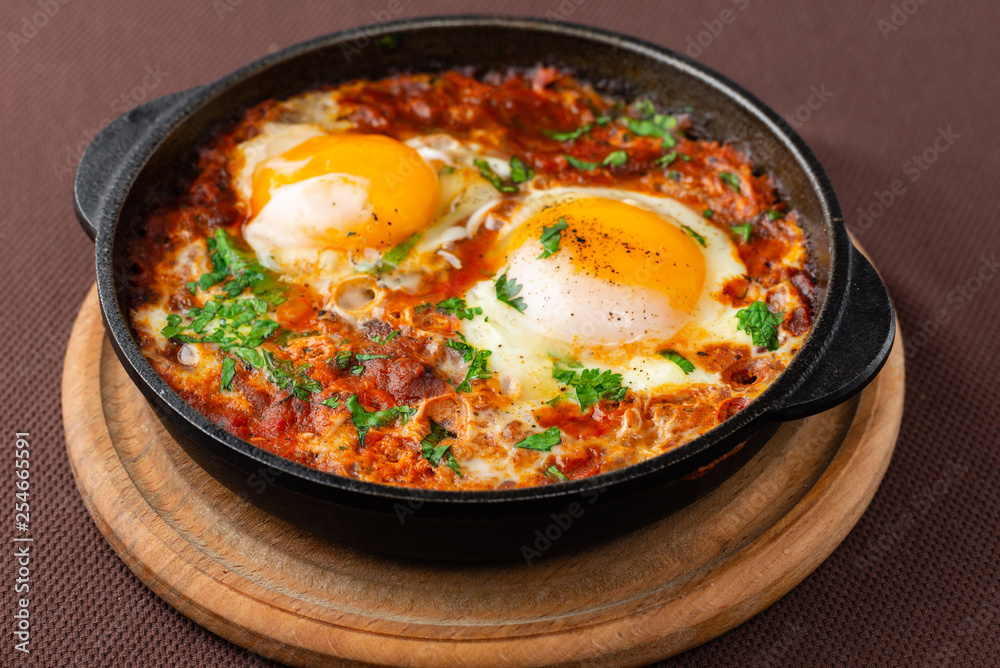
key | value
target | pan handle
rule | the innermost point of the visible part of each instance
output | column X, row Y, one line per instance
column 857, row 350
column 112, row 150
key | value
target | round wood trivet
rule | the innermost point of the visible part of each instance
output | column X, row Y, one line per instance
column 285, row 594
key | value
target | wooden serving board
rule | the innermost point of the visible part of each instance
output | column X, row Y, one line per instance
column 288, row 595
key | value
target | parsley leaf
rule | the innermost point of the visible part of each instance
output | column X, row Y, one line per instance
column 665, row 160
column 762, row 325
column 228, row 371
column 395, row 255
column 613, row 159
column 679, row 360
column 542, row 441
column 289, row 376
column 551, row 236
column 364, row 420
column 555, row 473
column 332, row 402
column 382, row 340
column 519, row 172
column 433, row 452
column 591, row 385
column 507, row 291
column 477, row 360
column 742, row 231
column 571, row 135
column 657, row 125
column 774, row 215
column 731, row 179
column 487, row 173
column 707, row 213
column 457, row 307
column 581, row 164
column 694, row 235
column 343, row 358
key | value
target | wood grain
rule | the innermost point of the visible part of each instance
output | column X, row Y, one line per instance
column 304, row 601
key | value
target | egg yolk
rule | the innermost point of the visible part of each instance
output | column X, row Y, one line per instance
column 402, row 189
column 621, row 244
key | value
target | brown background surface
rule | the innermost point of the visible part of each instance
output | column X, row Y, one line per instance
column 916, row 583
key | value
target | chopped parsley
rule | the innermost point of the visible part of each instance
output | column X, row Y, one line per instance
column 571, row 135
column 519, row 172
column 382, row 340
column 707, row 213
column 395, row 255
column 555, row 473
column 457, row 307
column 694, row 235
column 666, row 159
column 656, row 125
column 613, row 159
column 332, row 402
column 591, row 385
column 434, row 452
column 228, row 371
column 581, row 164
column 343, row 358
column 487, row 173
column 291, row 377
column 192, row 287
column 742, row 231
column 542, row 441
column 551, row 236
column 679, row 360
column 364, row 420
column 762, row 325
column 774, row 214
column 477, row 361
column 507, row 291
column 731, row 179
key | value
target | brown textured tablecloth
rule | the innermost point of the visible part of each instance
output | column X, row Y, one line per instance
column 901, row 103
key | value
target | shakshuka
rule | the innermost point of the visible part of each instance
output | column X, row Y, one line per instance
column 469, row 280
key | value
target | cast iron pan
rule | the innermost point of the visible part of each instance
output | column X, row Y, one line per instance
column 153, row 145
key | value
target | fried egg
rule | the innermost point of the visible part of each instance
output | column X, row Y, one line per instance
column 625, row 283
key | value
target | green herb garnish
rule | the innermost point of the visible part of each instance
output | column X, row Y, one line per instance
column 707, row 213
column 228, row 371
column 507, row 291
column 551, row 236
column 477, row 360
column 434, row 453
column 555, row 473
column 542, row 441
column 570, row 135
column 694, row 235
column 665, row 160
column 382, row 340
column 332, row 402
column 613, row 159
column 774, row 215
column 519, row 172
column 457, row 307
column 487, row 173
column 742, row 231
column 395, row 255
column 591, row 385
column 679, row 360
column 343, row 358
column 731, row 179
column 364, row 420
column 762, row 325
